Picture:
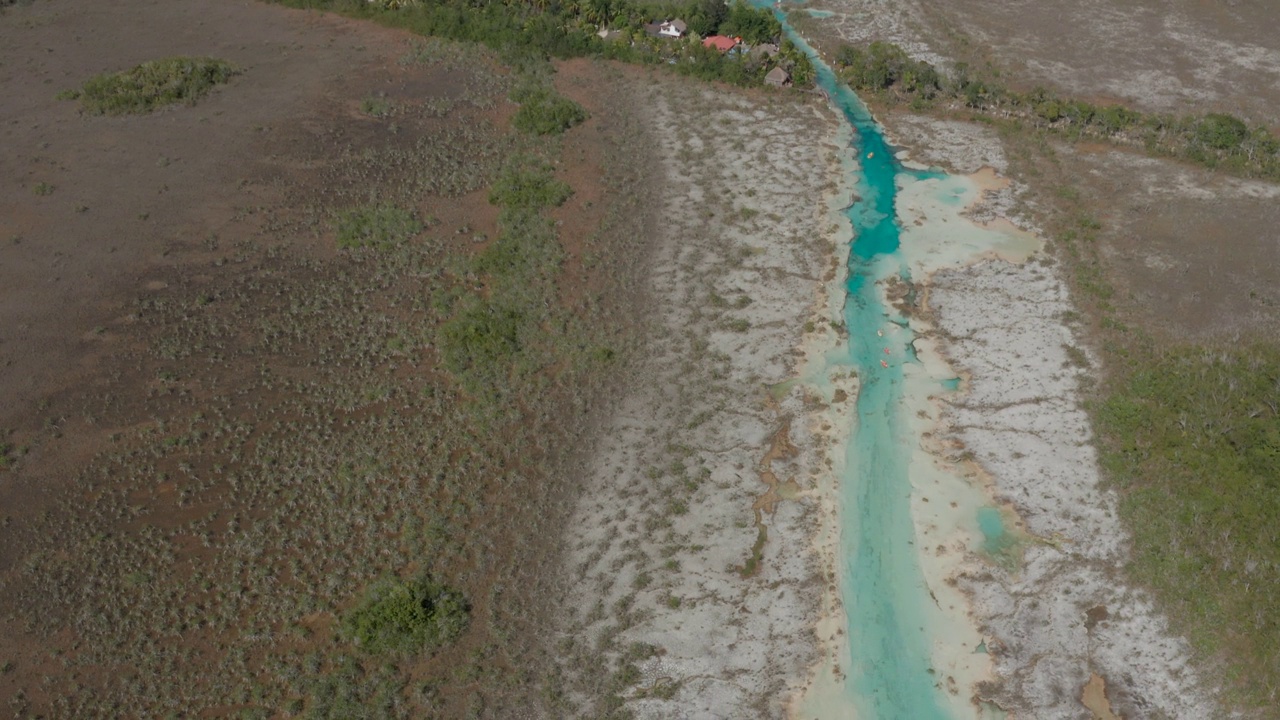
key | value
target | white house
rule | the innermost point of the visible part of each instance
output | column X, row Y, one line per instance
column 673, row 29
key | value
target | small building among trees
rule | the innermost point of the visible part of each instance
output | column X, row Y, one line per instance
column 778, row 77
column 673, row 28
column 721, row 43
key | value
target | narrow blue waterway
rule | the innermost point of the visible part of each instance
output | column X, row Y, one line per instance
column 884, row 594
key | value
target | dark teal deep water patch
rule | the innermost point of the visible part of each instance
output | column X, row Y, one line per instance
column 890, row 673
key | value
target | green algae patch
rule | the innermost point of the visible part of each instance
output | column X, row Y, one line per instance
column 152, row 85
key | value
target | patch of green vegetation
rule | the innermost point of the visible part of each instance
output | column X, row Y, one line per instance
column 153, row 85
column 399, row 616
column 883, row 65
column 481, row 339
column 43, row 188
column 494, row 336
column 1192, row 441
column 376, row 226
column 1221, row 132
column 528, row 185
column 740, row 19
column 752, row 565
column 378, row 107
column 350, row 690
column 9, row 455
column 544, row 112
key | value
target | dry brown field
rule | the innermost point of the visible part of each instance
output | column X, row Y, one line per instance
column 219, row 428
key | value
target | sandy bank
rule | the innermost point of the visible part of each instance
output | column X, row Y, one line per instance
column 1058, row 614
column 690, row 553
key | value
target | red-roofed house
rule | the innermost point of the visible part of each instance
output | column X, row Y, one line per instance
column 720, row 42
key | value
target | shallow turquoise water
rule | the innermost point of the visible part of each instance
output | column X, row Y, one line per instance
column 995, row 538
column 883, row 589
column 992, row 527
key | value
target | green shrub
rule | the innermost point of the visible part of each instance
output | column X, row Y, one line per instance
column 543, row 112
column 1050, row 110
column 153, row 84
column 481, row 338
column 377, row 226
column 1115, row 118
column 529, row 186
column 407, row 616
column 378, row 107
column 526, row 252
column 1221, row 132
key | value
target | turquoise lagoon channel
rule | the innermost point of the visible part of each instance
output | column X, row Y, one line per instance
column 883, row 590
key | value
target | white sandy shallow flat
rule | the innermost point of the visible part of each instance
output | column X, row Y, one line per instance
column 1021, row 430
column 713, row 448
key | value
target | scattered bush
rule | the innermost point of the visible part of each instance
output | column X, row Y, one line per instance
column 543, row 112
column 529, row 186
column 524, row 254
column 378, row 107
column 407, row 616
column 152, row 85
column 350, row 690
column 377, row 226
column 481, row 336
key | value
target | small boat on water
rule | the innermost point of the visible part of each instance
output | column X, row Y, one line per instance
column 884, row 364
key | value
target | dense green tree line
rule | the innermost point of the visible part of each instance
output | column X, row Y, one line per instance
column 1214, row 139
column 567, row 28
